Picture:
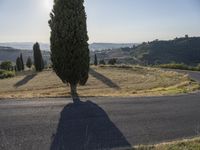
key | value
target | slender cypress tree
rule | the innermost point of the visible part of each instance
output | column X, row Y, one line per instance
column 18, row 64
column 95, row 60
column 69, row 47
column 29, row 62
column 22, row 62
column 38, row 60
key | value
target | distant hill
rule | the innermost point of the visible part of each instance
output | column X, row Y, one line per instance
column 103, row 46
column 123, row 55
column 180, row 50
column 8, row 53
column 45, row 46
column 25, row 45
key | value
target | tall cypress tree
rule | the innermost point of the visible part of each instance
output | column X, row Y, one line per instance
column 69, row 47
column 18, row 64
column 95, row 60
column 38, row 60
column 22, row 61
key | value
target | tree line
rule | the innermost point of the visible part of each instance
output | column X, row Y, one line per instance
column 112, row 61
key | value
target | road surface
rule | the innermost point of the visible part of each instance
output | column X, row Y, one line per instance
column 97, row 123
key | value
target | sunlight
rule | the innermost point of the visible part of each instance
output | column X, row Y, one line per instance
column 48, row 4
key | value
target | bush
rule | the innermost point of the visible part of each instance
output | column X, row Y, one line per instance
column 6, row 65
column 6, row 74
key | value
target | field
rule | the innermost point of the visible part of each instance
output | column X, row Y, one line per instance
column 103, row 81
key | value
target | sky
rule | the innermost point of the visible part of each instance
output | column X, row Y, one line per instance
column 113, row 21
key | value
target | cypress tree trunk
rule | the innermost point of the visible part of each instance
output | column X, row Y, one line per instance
column 74, row 93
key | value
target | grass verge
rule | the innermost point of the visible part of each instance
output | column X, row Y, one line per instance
column 191, row 144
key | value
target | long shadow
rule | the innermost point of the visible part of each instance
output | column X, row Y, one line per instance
column 25, row 80
column 104, row 79
column 86, row 126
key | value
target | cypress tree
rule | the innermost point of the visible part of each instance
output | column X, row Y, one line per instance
column 29, row 62
column 95, row 60
column 22, row 62
column 18, row 64
column 69, row 46
column 38, row 60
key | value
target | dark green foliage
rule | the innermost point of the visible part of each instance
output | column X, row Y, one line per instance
column 180, row 50
column 102, row 62
column 95, row 60
column 38, row 60
column 69, row 47
column 6, row 65
column 112, row 61
column 19, row 64
column 6, row 74
column 22, row 61
column 29, row 62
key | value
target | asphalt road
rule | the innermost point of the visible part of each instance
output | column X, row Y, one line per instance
column 97, row 123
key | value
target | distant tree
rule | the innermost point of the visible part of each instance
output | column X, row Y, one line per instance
column 69, row 46
column 29, row 62
column 18, row 64
column 22, row 61
column 95, row 60
column 102, row 62
column 186, row 36
column 112, row 61
column 6, row 65
column 38, row 60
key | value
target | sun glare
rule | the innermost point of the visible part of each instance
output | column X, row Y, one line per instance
column 48, row 4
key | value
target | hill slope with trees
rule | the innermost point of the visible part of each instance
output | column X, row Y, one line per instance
column 180, row 50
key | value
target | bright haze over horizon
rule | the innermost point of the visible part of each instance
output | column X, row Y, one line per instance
column 112, row 21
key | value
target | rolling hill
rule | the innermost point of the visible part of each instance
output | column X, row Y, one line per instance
column 46, row 47
column 180, row 50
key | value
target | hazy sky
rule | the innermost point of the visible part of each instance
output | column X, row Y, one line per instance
column 108, row 20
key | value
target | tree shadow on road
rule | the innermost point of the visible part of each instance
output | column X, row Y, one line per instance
column 104, row 79
column 86, row 126
column 25, row 80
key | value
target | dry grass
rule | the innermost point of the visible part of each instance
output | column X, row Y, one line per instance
column 104, row 81
column 188, row 144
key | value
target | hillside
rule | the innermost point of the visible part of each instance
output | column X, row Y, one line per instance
column 180, row 50
column 123, row 55
column 103, row 46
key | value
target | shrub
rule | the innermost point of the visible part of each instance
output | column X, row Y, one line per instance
column 6, row 74
column 6, row 65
